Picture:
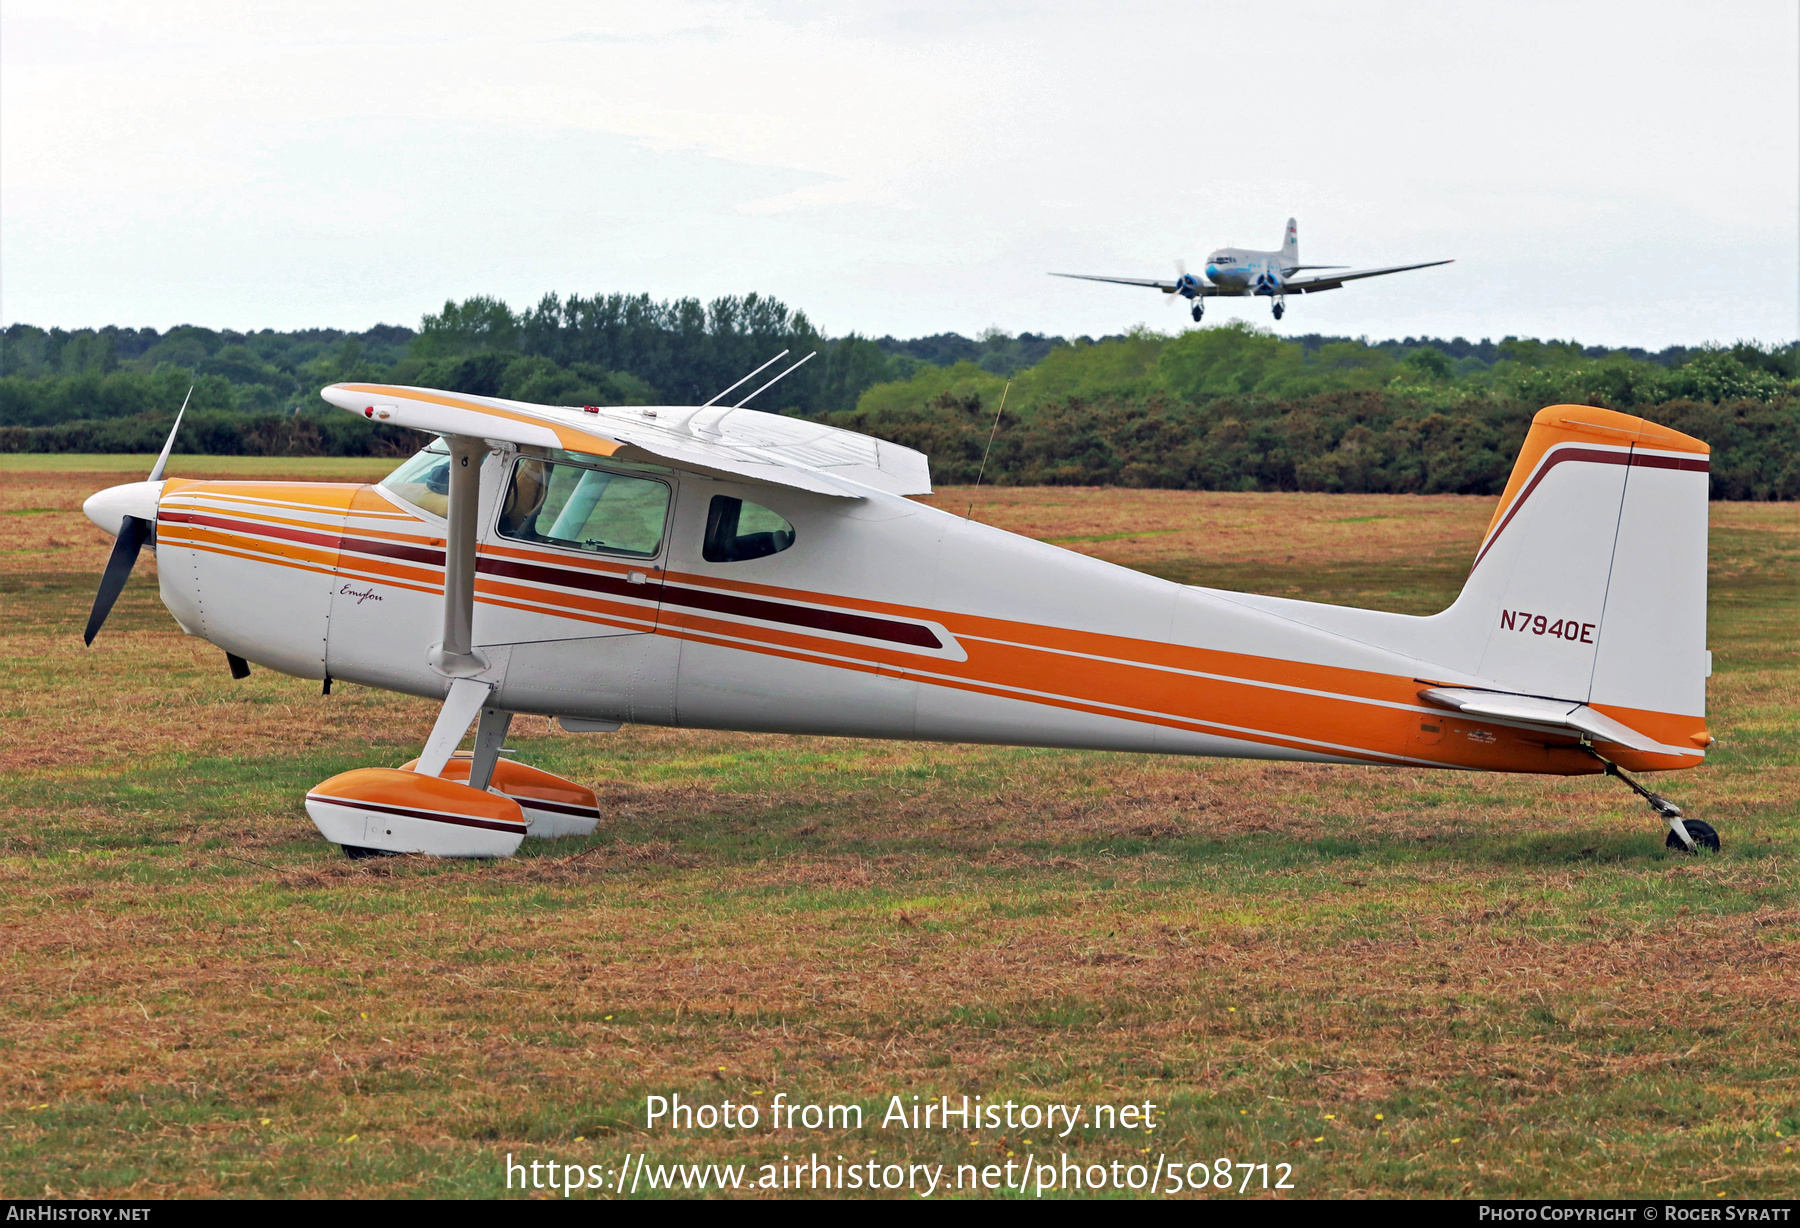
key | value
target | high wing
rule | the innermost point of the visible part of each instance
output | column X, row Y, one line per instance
column 745, row 444
column 1331, row 281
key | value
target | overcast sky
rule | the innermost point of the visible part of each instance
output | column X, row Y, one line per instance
column 1625, row 174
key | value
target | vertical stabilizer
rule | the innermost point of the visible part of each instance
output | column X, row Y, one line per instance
column 1290, row 246
column 1590, row 584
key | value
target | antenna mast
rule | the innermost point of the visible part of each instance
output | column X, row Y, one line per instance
column 990, row 447
column 746, row 379
column 774, row 381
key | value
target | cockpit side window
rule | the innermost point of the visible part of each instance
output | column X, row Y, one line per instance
column 424, row 480
column 579, row 507
column 737, row 531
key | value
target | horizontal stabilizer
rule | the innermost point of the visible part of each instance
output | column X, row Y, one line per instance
column 1534, row 710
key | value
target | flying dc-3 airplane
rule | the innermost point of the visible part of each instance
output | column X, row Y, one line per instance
column 722, row 568
column 1237, row 272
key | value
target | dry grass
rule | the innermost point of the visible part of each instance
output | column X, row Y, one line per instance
column 1534, row 997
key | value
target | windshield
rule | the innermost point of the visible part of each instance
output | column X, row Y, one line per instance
column 424, row 480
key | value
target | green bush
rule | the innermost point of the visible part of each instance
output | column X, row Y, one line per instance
column 1226, row 408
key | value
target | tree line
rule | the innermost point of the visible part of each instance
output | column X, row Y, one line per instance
column 1224, row 408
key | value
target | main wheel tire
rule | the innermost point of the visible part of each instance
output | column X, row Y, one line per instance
column 1702, row 832
column 355, row 852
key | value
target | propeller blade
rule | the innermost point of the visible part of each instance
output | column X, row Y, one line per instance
column 132, row 532
column 156, row 470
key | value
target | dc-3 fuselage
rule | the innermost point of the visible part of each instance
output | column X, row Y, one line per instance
column 737, row 570
column 1239, row 272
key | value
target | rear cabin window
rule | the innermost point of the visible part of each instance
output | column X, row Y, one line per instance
column 737, row 531
column 424, row 480
column 582, row 508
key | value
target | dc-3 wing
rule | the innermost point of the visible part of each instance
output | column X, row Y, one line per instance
column 1167, row 287
column 745, row 444
column 1330, row 281
column 1205, row 290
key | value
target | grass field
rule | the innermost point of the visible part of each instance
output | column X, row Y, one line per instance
column 1398, row 982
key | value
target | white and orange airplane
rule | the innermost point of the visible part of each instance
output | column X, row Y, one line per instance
column 723, row 568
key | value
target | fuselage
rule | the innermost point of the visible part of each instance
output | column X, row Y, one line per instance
column 878, row 617
column 1237, row 271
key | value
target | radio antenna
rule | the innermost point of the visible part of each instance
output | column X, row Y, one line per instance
column 774, row 381
column 988, row 449
column 746, row 379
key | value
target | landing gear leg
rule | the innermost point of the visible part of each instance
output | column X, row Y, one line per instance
column 1685, row 835
column 490, row 736
column 1199, row 310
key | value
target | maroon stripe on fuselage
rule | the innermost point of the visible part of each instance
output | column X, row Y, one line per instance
column 230, row 525
column 393, row 550
column 536, row 803
column 1593, row 456
column 862, row 625
column 567, row 577
column 335, row 541
column 841, row 622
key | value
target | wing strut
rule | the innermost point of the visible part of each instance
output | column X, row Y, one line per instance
column 455, row 657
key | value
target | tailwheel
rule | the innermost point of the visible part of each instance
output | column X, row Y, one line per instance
column 1703, row 835
column 1685, row 835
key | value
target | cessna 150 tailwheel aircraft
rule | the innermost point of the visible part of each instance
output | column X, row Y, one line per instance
column 1238, row 272
column 724, row 568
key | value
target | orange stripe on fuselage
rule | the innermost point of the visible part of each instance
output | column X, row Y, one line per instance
column 1353, row 713
column 248, row 557
column 195, row 535
column 333, row 496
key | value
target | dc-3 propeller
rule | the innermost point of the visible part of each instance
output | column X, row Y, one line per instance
column 134, row 531
column 1186, row 284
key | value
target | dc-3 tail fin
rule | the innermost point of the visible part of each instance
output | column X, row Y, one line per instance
column 1290, row 246
column 1590, row 584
